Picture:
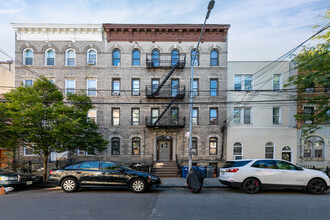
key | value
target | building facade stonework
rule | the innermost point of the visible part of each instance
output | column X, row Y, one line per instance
column 138, row 77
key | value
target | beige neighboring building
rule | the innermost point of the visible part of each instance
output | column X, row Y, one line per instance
column 261, row 121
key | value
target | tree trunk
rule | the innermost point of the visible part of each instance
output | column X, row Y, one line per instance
column 45, row 160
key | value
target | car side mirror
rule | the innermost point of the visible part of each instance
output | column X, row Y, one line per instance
column 300, row 168
column 121, row 170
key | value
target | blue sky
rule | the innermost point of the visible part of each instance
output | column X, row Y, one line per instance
column 260, row 29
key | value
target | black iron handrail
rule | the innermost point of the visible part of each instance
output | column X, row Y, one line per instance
column 166, row 92
column 165, row 60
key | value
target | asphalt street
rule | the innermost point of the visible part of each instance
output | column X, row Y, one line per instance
column 169, row 203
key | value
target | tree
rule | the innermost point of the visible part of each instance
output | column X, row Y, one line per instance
column 313, row 81
column 38, row 116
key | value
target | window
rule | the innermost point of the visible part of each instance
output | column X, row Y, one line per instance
column 50, row 57
column 282, row 165
column 70, row 85
column 174, row 116
column 213, row 146
column 28, row 56
column 195, row 116
column 115, row 146
column 308, row 115
column 213, row 87
column 110, row 166
column 276, row 115
column 136, row 146
column 276, row 82
column 91, row 87
column 214, row 58
column 91, row 57
column 174, row 57
column 154, row 115
column 116, row 57
column 313, row 147
column 115, row 116
column 243, row 82
column 115, row 87
column 136, row 87
column 92, row 115
column 286, row 153
column 194, row 146
column 242, row 115
column 195, row 55
column 136, row 57
column 155, row 58
column 269, row 150
column 237, row 151
column 135, row 116
column 89, row 165
column 28, row 151
column 213, row 116
column 265, row 164
column 70, row 57
column 154, row 84
column 195, row 88
column 174, row 87
column 27, row 82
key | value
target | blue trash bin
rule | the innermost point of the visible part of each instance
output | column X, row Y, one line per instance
column 202, row 169
column 184, row 171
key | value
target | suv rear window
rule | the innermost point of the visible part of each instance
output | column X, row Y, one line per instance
column 236, row 163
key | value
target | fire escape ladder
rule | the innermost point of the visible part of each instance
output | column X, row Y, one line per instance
column 168, row 106
column 166, row 78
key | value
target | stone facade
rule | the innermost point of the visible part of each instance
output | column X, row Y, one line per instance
column 126, row 38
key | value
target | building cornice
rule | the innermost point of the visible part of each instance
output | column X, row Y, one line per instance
column 166, row 32
column 58, row 32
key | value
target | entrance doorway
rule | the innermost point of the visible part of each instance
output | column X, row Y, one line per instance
column 164, row 148
column 286, row 153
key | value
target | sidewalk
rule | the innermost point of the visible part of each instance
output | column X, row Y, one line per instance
column 182, row 183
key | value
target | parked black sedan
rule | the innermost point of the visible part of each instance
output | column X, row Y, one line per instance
column 10, row 178
column 102, row 173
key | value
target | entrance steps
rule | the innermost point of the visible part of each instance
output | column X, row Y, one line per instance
column 165, row 169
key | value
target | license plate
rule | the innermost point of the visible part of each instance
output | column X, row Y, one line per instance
column 28, row 182
column 222, row 173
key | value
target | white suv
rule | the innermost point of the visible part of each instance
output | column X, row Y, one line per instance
column 256, row 174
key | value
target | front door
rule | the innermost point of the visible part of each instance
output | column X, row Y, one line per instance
column 164, row 150
column 286, row 156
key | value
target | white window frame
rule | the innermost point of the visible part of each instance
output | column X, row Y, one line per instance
column 279, row 115
column 25, row 79
column 134, row 92
column 280, row 81
column 235, row 157
column 66, row 57
column 115, row 92
column 46, row 56
column 66, row 86
column 241, row 115
column 87, row 57
column 243, row 86
column 24, row 152
column 87, row 88
column 273, row 150
column 24, row 56
column 93, row 110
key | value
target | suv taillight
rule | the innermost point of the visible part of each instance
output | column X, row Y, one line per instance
column 51, row 172
column 232, row 170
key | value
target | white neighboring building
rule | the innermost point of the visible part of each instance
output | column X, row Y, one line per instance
column 263, row 127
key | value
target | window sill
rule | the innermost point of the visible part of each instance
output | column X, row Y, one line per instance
column 313, row 159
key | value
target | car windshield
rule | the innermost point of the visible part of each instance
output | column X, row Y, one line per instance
column 236, row 163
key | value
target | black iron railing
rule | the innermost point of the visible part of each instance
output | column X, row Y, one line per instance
column 166, row 122
column 165, row 60
column 165, row 92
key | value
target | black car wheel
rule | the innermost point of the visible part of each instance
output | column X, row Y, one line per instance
column 316, row 186
column 69, row 185
column 138, row 185
column 251, row 185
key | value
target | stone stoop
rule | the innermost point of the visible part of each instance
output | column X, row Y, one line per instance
column 166, row 169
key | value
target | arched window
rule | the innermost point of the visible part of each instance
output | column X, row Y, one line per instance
column 70, row 57
column 116, row 57
column 115, row 146
column 196, row 55
column 269, row 150
column 174, row 57
column 213, row 146
column 237, row 151
column 155, row 58
column 286, row 153
column 28, row 56
column 50, row 57
column 214, row 58
column 136, row 146
column 91, row 57
column 313, row 147
column 136, row 57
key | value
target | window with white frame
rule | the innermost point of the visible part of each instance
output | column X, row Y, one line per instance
column 243, row 82
column 135, row 87
column 50, row 57
column 195, row 55
column 313, row 147
column 213, row 116
column 195, row 116
column 136, row 146
column 70, row 86
column 70, row 57
column 116, row 57
column 213, row 146
column 116, row 87
column 269, row 150
column 28, row 56
column 28, row 150
column 242, row 115
column 154, row 115
column 237, row 151
column 135, row 116
column 308, row 114
column 92, row 115
column 276, row 115
column 115, row 116
column 154, row 84
column 28, row 82
column 136, row 57
column 214, row 87
column 91, row 57
column 195, row 88
column 214, row 61
column 91, row 87
column 276, row 82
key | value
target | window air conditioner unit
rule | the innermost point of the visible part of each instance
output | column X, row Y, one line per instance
column 91, row 62
column 135, row 93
